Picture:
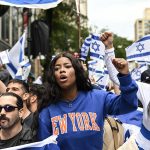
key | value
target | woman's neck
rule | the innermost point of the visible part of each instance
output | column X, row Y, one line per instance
column 69, row 94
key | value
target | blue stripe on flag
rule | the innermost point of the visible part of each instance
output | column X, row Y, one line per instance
column 91, row 69
column 100, row 79
column 87, row 44
column 21, row 53
column 12, row 67
column 27, row 64
column 145, row 132
column 84, row 57
column 138, row 55
column 106, row 71
column 99, row 72
column 41, row 4
column 144, row 39
column 96, row 55
column 20, row 2
column 140, row 61
column 95, row 37
column 89, row 39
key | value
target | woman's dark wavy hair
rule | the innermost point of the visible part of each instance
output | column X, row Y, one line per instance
column 82, row 80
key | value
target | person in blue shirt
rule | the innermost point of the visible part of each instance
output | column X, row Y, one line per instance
column 75, row 111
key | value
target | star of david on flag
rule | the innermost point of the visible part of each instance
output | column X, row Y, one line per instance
column 94, row 47
column 139, row 50
column 97, row 48
column 140, row 47
column 41, row 4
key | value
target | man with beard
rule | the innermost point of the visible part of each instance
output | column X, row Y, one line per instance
column 12, row 132
column 37, row 95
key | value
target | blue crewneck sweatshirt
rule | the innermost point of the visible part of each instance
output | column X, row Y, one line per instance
column 79, row 123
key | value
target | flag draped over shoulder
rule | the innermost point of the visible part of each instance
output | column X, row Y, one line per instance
column 48, row 144
column 139, row 50
column 18, row 66
column 42, row 4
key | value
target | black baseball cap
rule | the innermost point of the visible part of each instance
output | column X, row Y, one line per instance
column 145, row 76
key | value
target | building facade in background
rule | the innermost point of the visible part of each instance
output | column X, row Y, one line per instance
column 12, row 25
column 142, row 26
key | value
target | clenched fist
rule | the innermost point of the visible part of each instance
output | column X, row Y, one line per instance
column 121, row 65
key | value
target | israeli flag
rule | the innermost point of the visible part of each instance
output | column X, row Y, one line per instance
column 94, row 47
column 91, row 69
column 98, row 73
column 143, row 139
column 136, row 72
column 140, row 50
column 97, row 48
column 103, row 80
column 18, row 66
column 41, row 4
column 48, row 144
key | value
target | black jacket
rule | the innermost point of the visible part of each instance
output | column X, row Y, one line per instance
column 25, row 136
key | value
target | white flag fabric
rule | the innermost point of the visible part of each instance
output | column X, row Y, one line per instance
column 49, row 143
column 4, row 57
column 41, row 4
column 140, row 50
column 18, row 66
column 95, row 48
column 136, row 72
column 98, row 73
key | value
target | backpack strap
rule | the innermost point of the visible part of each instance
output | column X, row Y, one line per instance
column 115, row 129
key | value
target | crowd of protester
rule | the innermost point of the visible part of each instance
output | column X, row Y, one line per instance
column 72, row 106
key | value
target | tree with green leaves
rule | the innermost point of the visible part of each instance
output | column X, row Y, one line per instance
column 120, row 44
column 62, row 21
column 63, row 24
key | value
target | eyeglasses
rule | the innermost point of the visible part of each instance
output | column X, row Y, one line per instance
column 8, row 108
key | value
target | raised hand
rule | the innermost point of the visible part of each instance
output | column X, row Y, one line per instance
column 121, row 65
column 107, row 39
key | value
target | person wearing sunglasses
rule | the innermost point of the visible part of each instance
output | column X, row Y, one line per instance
column 12, row 132
column 21, row 88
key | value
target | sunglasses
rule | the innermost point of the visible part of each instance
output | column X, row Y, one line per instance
column 8, row 108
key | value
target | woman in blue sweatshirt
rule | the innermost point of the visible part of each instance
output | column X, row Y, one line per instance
column 75, row 111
